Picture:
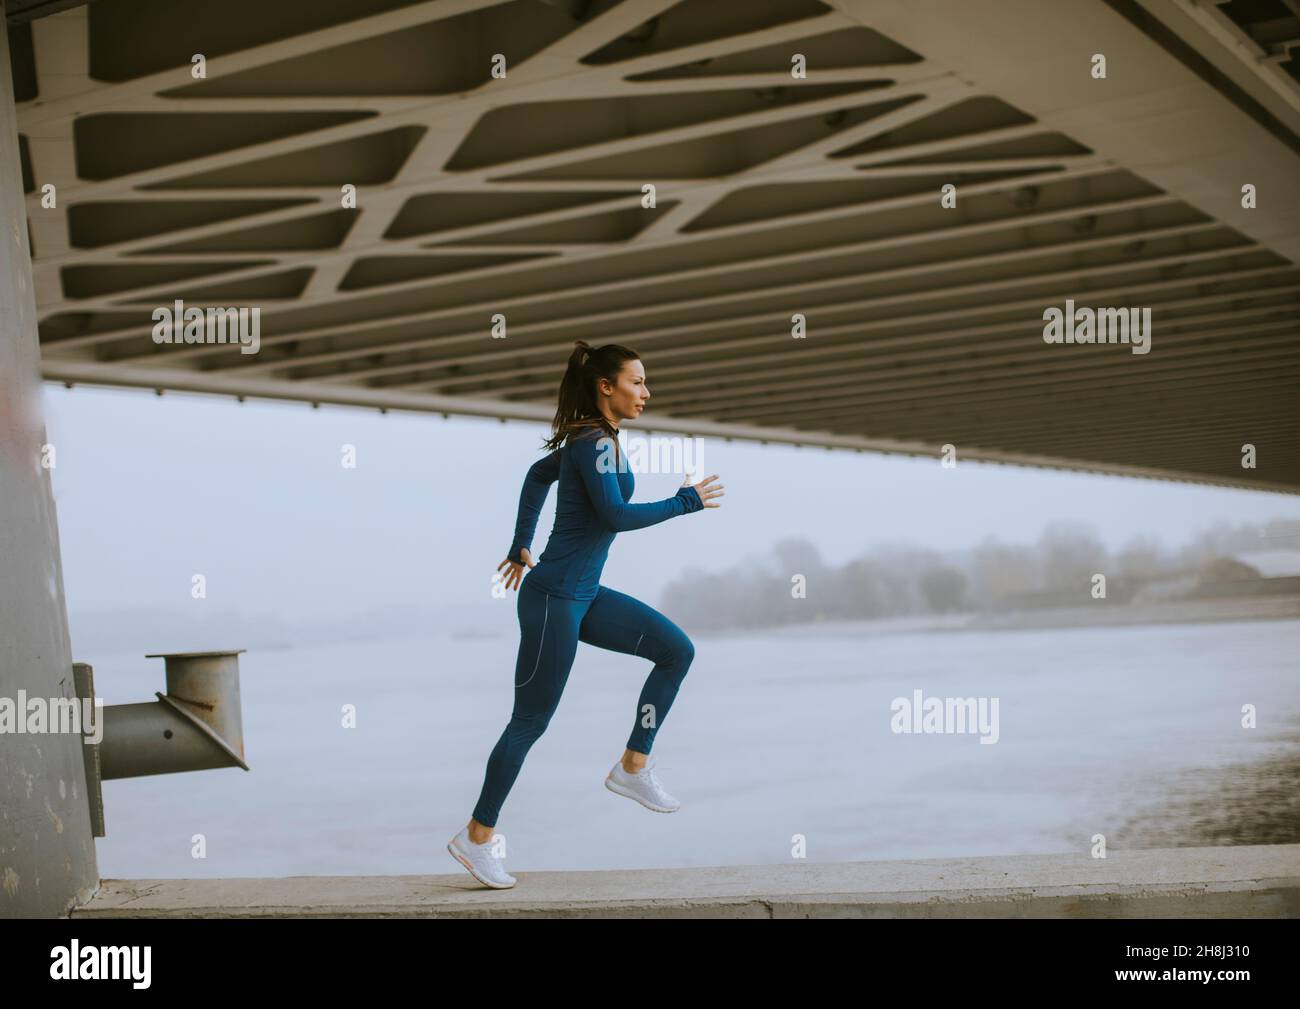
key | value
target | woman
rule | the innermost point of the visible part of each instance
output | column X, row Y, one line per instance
column 563, row 602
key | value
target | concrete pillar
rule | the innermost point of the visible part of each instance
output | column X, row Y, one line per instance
column 47, row 851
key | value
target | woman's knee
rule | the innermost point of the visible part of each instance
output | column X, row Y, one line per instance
column 669, row 648
column 680, row 651
column 526, row 727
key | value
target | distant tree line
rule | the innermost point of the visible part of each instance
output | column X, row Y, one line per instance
column 907, row 580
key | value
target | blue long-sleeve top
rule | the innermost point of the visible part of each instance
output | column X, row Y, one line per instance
column 591, row 507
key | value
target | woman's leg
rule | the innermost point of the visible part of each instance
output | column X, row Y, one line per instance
column 620, row 623
column 548, row 641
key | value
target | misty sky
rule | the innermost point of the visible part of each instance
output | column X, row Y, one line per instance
column 151, row 490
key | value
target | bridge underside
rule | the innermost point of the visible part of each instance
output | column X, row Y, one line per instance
column 776, row 199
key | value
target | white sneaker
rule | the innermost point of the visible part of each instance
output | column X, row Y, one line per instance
column 484, row 866
column 643, row 786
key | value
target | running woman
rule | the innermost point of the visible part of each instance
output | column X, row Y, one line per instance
column 562, row 601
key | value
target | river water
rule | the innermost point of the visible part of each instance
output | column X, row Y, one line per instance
column 1134, row 733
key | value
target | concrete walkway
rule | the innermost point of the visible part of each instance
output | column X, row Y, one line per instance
column 1248, row 881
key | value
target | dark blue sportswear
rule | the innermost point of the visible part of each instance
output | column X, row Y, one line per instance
column 562, row 602
column 590, row 509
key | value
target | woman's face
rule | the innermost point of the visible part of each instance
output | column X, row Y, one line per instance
column 627, row 396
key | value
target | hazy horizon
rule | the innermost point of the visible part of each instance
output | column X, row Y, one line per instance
column 151, row 490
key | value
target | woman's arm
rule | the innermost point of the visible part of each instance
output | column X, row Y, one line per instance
column 537, row 484
column 601, row 481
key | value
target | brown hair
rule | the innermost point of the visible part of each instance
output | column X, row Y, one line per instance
column 577, row 412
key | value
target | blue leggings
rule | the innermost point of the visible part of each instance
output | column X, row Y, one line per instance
column 550, row 628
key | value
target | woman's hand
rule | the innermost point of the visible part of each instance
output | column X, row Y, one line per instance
column 515, row 575
column 706, row 491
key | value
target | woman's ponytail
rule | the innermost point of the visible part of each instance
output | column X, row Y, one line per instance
column 578, row 409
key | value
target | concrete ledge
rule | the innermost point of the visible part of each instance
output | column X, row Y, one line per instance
column 1247, row 881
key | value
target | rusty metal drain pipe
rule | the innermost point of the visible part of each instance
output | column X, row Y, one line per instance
column 196, row 725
